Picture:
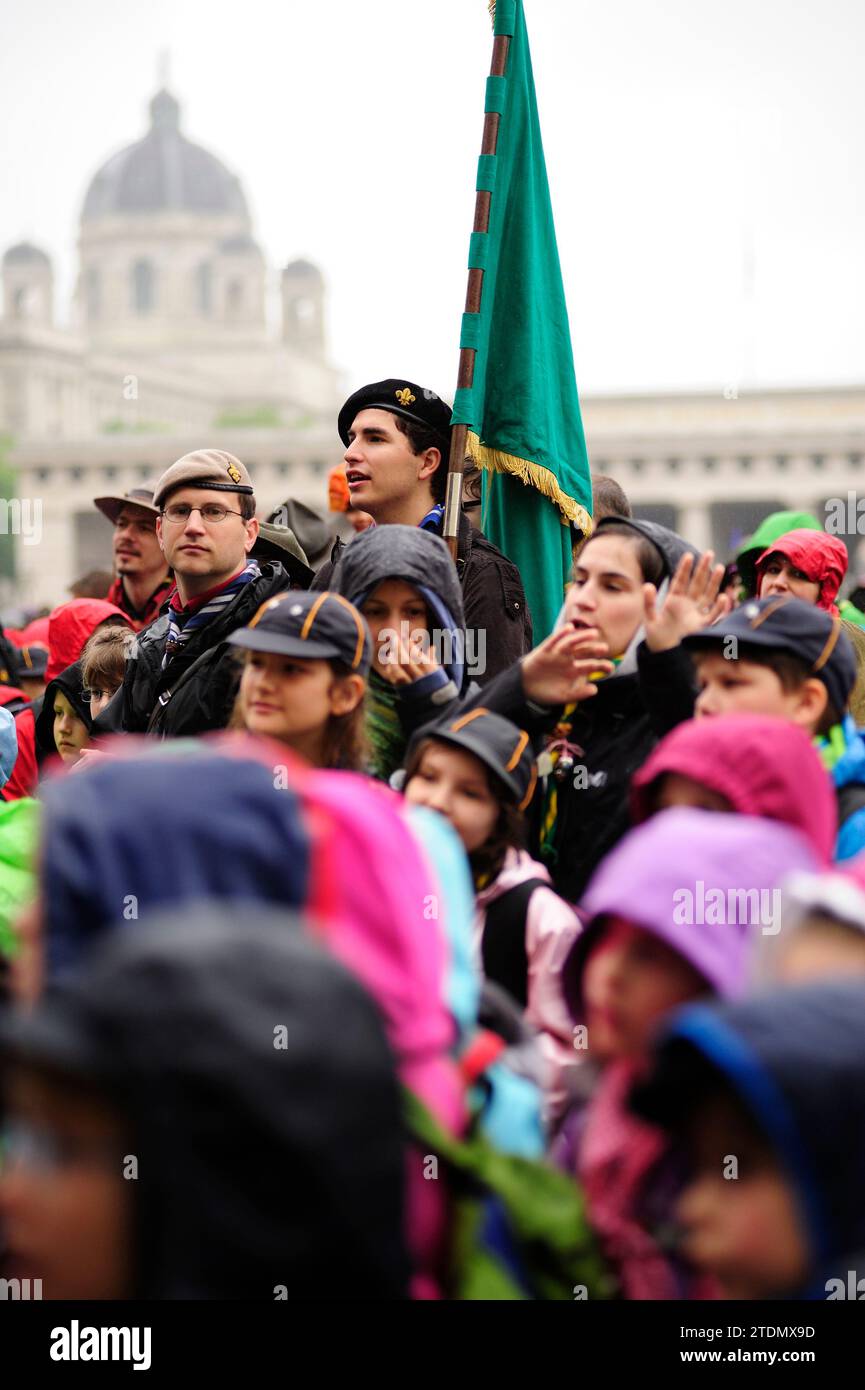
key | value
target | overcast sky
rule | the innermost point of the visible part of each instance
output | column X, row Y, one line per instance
column 705, row 162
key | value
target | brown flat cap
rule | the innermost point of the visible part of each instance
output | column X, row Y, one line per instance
column 141, row 497
column 210, row 468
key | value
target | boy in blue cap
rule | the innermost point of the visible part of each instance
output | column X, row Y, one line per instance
column 784, row 657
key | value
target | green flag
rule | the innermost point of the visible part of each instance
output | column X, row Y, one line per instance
column 523, row 410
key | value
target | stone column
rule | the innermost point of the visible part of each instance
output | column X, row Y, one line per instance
column 694, row 524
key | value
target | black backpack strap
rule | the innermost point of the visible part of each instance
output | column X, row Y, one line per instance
column 18, row 705
column 851, row 799
column 503, row 947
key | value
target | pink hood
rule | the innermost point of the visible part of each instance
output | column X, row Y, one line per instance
column 764, row 767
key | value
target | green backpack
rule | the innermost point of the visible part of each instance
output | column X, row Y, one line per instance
column 518, row 1229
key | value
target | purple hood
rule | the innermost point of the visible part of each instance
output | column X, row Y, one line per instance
column 701, row 881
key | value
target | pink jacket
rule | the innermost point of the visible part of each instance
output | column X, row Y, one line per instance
column 552, row 926
column 375, row 884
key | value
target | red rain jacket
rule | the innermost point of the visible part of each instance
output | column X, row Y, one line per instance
column 70, row 627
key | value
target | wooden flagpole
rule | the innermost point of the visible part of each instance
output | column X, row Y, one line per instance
column 466, row 373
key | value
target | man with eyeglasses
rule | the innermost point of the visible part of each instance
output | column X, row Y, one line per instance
column 181, row 679
column 142, row 581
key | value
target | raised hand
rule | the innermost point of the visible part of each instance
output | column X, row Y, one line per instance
column 692, row 601
column 557, row 672
column 410, row 662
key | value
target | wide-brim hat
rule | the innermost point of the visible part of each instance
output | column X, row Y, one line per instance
column 280, row 543
column 112, row 506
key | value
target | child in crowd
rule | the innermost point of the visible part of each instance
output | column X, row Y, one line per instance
column 404, row 581
column 781, row 656
column 750, row 764
column 674, row 914
column 266, row 1166
column 776, row 1086
column 307, row 657
column 103, row 662
column 821, row 928
column 70, row 627
column 479, row 772
column 64, row 722
column 807, row 564
column 811, row 565
column 771, row 527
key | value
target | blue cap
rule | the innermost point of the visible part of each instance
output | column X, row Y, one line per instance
column 782, row 623
column 311, row 626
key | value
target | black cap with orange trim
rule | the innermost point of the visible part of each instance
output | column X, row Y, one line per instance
column 311, row 626
column 502, row 747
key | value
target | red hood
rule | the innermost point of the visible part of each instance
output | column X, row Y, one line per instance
column 822, row 558
column 71, row 625
column 35, row 634
column 763, row 766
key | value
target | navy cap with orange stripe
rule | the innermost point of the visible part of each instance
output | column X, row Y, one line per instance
column 502, row 747
column 312, row 626
column 782, row 623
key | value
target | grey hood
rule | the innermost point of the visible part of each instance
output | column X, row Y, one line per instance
column 400, row 552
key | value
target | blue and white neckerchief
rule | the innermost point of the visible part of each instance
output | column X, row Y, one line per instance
column 181, row 628
column 433, row 519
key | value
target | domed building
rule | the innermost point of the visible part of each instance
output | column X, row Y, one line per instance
column 170, row 346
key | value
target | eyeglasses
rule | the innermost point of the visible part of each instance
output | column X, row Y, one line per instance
column 210, row 513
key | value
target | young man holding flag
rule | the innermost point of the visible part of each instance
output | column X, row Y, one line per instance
column 397, row 436
column 516, row 410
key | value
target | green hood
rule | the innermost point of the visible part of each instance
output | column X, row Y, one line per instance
column 19, row 837
column 773, row 526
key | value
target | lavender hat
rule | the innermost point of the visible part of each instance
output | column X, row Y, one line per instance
column 703, row 882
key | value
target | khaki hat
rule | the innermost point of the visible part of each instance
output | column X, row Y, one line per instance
column 280, row 543
column 141, row 497
column 210, row 468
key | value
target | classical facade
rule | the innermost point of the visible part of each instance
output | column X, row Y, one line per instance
column 712, row 465
column 171, row 348
column 170, row 345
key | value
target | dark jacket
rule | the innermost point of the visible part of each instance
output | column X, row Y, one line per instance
column 259, row 1091
column 615, row 731
column 196, row 691
column 493, row 599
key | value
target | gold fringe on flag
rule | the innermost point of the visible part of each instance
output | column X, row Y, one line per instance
column 530, row 474
column 491, row 6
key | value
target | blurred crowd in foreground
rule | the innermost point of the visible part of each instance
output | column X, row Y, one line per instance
column 355, row 945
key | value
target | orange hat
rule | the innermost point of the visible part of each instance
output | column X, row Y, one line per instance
column 337, row 490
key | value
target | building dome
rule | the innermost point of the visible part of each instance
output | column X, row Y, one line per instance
column 303, row 269
column 164, row 172
column 25, row 253
column 239, row 246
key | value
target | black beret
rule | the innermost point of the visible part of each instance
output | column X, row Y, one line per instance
column 400, row 397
